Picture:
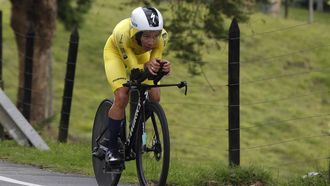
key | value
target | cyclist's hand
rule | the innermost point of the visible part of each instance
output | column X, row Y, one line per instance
column 166, row 66
column 153, row 66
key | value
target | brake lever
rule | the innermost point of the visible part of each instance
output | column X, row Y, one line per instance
column 183, row 84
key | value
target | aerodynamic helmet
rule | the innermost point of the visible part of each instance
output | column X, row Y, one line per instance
column 146, row 19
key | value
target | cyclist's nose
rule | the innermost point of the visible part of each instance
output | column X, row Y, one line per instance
column 150, row 42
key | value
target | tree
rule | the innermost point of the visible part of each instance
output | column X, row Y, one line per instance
column 40, row 15
column 71, row 12
column 192, row 18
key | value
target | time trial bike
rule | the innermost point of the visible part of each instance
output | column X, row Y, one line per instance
column 147, row 140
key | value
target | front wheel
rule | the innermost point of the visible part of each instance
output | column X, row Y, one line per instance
column 153, row 147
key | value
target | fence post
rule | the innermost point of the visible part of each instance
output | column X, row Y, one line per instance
column 1, row 57
column 233, row 94
column 68, row 87
column 2, row 133
column 286, row 9
column 311, row 12
column 28, row 72
column 329, row 169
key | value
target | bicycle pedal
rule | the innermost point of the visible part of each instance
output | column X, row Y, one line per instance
column 98, row 153
column 113, row 168
column 113, row 171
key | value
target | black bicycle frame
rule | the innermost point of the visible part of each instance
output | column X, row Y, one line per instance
column 137, row 117
column 140, row 108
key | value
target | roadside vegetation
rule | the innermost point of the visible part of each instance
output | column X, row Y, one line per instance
column 198, row 122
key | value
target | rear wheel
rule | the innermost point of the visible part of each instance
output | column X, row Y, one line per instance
column 153, row 147
column 99, row 131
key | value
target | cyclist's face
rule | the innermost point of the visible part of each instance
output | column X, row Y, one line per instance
column 149, row 39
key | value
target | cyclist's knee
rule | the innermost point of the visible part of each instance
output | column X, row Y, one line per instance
column 155, row 98
column 121, row 98
column 154, row 95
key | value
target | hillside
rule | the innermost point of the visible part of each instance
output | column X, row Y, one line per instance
column 285, row 99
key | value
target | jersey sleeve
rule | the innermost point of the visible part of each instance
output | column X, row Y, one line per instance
column 157, row 52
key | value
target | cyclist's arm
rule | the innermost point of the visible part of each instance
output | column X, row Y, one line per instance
column 157, row 52
column 126, row 53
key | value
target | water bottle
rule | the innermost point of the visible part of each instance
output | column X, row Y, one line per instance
column 144, row 138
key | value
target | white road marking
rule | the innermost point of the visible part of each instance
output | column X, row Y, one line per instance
column 17, row 182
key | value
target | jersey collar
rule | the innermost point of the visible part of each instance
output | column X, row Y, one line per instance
column 132, row 32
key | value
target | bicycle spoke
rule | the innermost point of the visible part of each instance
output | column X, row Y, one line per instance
column 154, row 125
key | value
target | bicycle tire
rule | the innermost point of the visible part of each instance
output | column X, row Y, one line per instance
column 100, row 124
column 153, row 166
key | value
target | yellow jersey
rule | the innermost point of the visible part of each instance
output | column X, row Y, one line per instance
column 122, row 53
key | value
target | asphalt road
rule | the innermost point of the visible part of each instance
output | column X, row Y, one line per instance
column 18, row 175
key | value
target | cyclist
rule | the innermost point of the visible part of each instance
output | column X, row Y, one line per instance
column 136, row 42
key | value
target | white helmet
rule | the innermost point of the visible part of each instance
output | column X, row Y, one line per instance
column 146, row 19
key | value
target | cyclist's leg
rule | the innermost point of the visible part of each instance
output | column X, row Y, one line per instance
column 154, row 94
column 116, row 117
column 116, row 114
column 117, row 110
column 116, row 75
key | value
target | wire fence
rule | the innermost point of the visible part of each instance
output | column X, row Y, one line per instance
column 298, row 122
column 218, row 129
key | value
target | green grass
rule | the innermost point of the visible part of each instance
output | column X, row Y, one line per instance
column 71, row 157
column 283, row 120
column 303, row 15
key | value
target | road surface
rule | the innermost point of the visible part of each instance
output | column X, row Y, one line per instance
column 22, row 175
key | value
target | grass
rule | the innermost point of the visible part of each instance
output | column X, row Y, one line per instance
column 284, row 102
column 303, row 15
column 69, row 157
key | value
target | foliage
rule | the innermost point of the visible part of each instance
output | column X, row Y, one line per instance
column 186, row 39
column 70, row 12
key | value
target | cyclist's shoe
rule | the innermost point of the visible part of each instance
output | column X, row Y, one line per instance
column 101, row 150
column 113, row 157
column 114, row 162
